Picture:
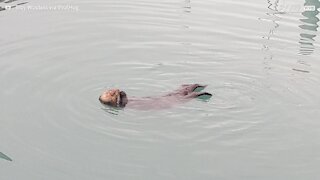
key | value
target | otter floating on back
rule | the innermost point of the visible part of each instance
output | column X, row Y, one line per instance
column 186, row 92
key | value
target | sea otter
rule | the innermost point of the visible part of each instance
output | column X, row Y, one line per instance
column 117, row 98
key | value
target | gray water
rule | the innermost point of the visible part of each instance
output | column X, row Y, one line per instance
column 260, row 60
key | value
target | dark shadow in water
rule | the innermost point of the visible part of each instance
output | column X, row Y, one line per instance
column 309, row 27
column 112, row 110
column 3, row 156
column 10, row 1
column 187, row 6
column 186, row 9
column 300, row 70
column 10, row 4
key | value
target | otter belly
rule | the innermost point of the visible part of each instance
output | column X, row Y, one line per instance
column 155, row 103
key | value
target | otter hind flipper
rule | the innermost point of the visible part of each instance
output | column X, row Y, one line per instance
column 200, row 95
column 199, row 88
column 204, row 95
column 192, row 87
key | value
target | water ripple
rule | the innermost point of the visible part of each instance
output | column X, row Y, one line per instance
column 251, row 55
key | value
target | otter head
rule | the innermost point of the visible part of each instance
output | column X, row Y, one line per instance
column 114, row 97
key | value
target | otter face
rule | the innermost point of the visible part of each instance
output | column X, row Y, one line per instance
column 114, row 97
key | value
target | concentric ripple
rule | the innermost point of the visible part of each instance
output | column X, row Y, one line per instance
column 258, row 60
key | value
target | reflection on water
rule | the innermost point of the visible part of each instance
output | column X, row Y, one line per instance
column 111, row 110
column 53, row 71
column 274, row 18
column 9, row 4
column 309, row 28
column 273, row 5
column 279, row 11
column 187, row 6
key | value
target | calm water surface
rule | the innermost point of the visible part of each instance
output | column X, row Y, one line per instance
column 259, row 58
